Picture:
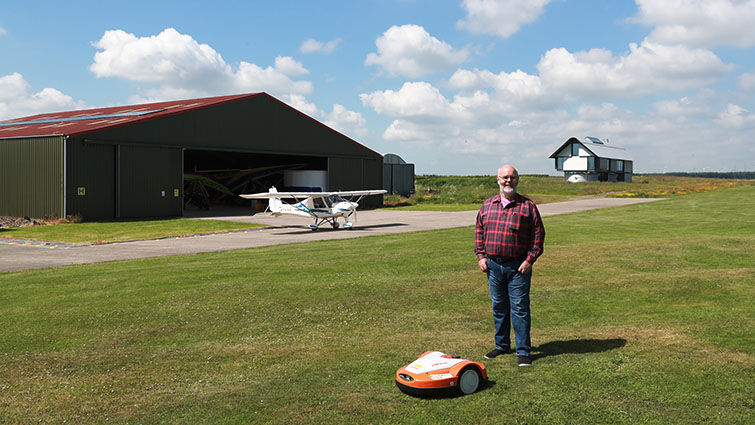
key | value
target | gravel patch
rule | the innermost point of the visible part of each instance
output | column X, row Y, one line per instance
column 8, row 221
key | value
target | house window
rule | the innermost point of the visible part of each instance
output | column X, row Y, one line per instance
column 560, row 163
column 575, row 149
column 619, row 165
column 603, row 163
column 590, row 162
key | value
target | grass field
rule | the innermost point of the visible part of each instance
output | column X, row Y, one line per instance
column 468, row 192
column 642, row 314
column 96, row 232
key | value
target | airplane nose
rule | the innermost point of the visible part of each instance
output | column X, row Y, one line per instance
column 354, row 205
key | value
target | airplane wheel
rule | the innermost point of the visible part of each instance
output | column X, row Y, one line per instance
column 469, row 380
column 335, row 225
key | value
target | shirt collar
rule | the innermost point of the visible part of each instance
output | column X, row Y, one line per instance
column 498, row 198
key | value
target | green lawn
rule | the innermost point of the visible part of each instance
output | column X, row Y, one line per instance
column 642, row 314
column 95, row 232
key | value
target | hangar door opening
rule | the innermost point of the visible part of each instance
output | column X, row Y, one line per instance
column 213, row 178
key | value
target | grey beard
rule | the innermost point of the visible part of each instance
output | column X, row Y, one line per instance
column 508, row 190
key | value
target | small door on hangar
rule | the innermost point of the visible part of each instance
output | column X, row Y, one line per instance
column 150, row 182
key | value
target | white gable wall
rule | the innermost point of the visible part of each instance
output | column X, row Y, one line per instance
column 575, row 163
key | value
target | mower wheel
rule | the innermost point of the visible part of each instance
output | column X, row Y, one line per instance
column 469, row 380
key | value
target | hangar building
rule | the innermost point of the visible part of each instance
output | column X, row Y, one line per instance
column 130, row 161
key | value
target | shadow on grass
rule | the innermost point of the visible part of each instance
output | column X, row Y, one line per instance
column 450, row 392
column 577, row 346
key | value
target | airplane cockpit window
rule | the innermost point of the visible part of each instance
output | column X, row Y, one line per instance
column 319, row 203
column 334, row 199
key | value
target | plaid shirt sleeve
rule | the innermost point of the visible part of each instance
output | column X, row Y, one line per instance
column 514, row 231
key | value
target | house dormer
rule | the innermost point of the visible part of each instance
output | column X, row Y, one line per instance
column 593, row 159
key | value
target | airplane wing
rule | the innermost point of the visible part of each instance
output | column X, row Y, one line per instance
column 313, row 195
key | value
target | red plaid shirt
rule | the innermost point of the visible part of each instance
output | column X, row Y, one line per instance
column 514, row 231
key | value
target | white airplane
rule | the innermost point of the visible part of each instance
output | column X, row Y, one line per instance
column 323, row 207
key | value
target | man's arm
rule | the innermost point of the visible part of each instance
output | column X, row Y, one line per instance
column 479, row 243
column 536, row 245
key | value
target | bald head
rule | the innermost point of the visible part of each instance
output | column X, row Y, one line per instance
column 508, row 179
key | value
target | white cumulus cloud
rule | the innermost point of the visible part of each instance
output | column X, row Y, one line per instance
column 500, row 17
column 180, row 66
column 350, row 123
column 18, row 100
column 646, row 69
column 705, row 23
column 410, row 51
column 414, row 99
column 347, row 122
column 747, row 81
column 289, row 66
column 734, row 116
column 311, row 45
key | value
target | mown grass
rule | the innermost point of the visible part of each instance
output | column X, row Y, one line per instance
column 468, row 192
column 97, row 232
column 642, row 314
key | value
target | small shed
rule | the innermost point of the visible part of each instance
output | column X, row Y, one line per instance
column 593, row 159
column 398, row 176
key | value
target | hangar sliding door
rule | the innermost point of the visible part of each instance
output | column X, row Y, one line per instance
column 150, row 181
column 91, row 180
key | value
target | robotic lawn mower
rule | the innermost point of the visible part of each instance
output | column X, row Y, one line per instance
column 435, row 373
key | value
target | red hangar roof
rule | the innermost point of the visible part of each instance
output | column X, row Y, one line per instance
column 77, row 123
column 85, row 121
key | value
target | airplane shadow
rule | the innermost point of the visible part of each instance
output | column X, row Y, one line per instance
column 576, row 346
column 330, row 229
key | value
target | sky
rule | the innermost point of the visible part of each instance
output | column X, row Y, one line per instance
column 454, row 87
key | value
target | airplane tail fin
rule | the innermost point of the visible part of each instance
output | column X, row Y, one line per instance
column 276, row 206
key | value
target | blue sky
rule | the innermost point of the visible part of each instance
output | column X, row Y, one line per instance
column 455, row 87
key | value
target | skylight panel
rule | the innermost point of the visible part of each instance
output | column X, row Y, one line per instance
column 83, row 118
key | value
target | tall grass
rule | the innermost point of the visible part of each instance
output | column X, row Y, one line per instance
column 642, row 314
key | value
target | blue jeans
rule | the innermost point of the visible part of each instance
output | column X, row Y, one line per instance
column 510, row 295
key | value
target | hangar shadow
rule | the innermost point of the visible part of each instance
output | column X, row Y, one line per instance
column 576, row 346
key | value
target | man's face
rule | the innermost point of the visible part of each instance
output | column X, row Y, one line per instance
column 507, row 179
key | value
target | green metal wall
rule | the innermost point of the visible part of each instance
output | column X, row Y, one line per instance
column 107, row 181
column 258, row 124
column 356, row 174
column 151, row 182
column 91, row 180
column 32, row 176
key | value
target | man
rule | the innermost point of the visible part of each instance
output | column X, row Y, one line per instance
column 509, row 237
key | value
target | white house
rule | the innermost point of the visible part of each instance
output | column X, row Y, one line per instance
column 593, row 159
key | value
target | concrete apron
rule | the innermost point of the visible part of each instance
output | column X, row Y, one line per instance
column 24, row 255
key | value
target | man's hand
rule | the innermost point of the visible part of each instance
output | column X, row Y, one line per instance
column 483, row 263
column 525, row 267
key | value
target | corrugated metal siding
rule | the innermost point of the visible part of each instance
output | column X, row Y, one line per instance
column 344, row 174
column 91, row 180
column 31, row 177
column 356, row 174
column 151, row 182
column 398, row 179
column 258, row 124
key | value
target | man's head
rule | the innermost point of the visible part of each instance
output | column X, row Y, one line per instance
column 508, row 179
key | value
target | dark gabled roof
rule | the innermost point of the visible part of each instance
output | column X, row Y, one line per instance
column 85, row 121
column 598, row 149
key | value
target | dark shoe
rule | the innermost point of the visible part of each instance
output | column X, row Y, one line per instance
column 524, row 360
column 497, row 352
